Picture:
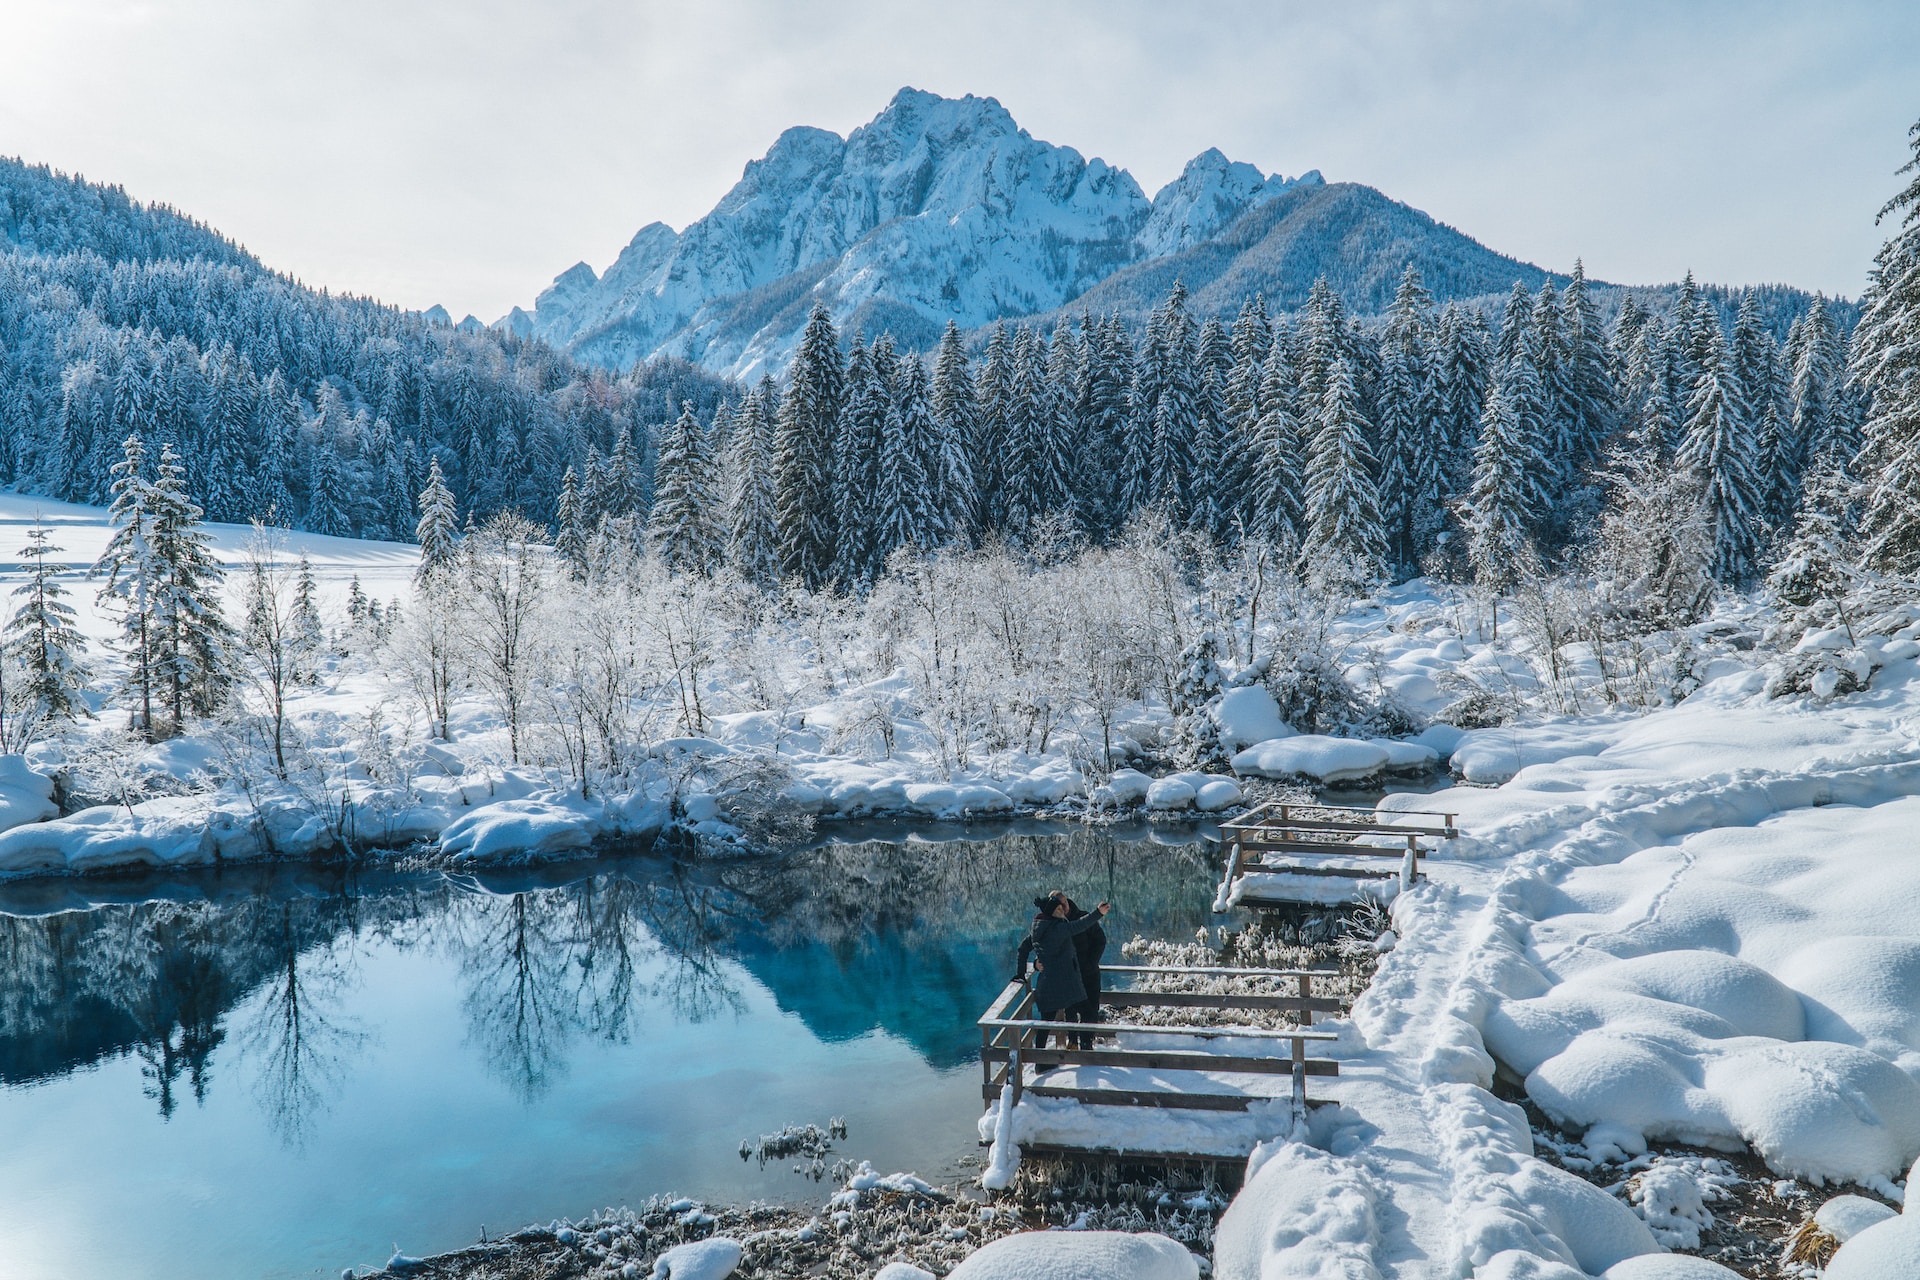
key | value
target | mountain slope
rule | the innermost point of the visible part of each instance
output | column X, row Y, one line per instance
column 1357, row 238
column 45, row 211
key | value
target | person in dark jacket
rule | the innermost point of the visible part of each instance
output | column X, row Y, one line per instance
column 1057, row 984
column 1088, row 947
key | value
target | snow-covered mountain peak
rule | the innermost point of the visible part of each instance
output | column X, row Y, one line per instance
column 936, row 209
column 1208, row 195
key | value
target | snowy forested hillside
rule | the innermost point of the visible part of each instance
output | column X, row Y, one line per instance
column 310, row 409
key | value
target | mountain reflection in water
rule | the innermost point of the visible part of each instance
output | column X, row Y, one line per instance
column 534, row 1042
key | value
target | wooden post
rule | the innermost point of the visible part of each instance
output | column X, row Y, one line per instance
column 1410, row 869
column 1299, row 1076
column 1306, row 999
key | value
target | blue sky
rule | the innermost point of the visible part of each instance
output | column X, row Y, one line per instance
column 465, row 151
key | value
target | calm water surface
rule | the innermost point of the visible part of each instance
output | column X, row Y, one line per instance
column 283, row 1072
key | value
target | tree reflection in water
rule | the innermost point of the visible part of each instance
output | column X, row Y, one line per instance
column 912, row 938
column 299, row 1032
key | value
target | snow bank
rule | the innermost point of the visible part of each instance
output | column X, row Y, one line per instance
column 535, row 828
column 1079, row 1255
column 1490, row 756
column 1313, row 756
column 25, row 796
column 1668, row 1266
column 1889, row 1250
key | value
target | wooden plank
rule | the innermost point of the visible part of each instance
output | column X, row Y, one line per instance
column 1113, row 1028
column 1358, row 828
column 1325, row 846
column 1206, row 1000
column 1294, row 869
column 1145, row 1098
column 1167, row 1060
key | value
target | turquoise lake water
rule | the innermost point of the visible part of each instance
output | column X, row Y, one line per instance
column 282, row 1072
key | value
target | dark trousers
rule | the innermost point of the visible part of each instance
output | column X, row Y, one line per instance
column 1087, row 1011
column 1069, row 1014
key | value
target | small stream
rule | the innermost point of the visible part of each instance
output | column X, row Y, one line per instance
column 284, row 1071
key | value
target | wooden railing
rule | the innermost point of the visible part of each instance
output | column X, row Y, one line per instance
column 1277, row 828
column 1010, row 1036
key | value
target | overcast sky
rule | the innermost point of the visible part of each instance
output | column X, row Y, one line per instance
column 466, row 151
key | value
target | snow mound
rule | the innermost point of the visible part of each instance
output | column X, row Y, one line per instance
column 1313, row 756
column 1491, row 756
column 1888, row 1250
column 713, row 1259
column 1303, row 1213
column 902, row 1271
column 25, row 796
column 1667, row 1266
column 1079, row 1255
column 1845, row 1217
column 1249, row 715
column 519, row 828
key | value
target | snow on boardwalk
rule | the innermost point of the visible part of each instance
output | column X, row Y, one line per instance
column 1568, row 933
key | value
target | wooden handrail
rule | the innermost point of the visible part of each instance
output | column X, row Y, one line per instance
column 1109, row 1028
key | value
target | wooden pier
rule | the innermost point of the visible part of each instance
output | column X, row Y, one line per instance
column 1277, row 840
column 1189, row 1077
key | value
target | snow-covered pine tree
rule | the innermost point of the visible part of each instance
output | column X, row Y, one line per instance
column 1886, row 364
column 438, row 529
column 1059, row 447
column 1239, row 445
column 1460, row 392
column 1343, row 505
column 231, row 399
column 1171, row 366
column 193, row 663
column 1200, row 680
column 570, row 534
column 278, row 418
column 753, row 527
column 1818, row 563
column 135, row 579
column 1592, row 403
column 326, row 493
column 1272, row 508
column 1760, row 382
column 1023, row 409
column 309, row 636
column 1507, row 494
column 856, row 461
column 1211, row 483
column 684, row 527
column 44, row 641
column 803, row 463
column 906, row 513
column 956, row 415
column 1560, row 427
column 1410, row 432
column 993, row 391
column 1814, row 358
column 1516, row 322
column 1133, row 451
column 1719, row 451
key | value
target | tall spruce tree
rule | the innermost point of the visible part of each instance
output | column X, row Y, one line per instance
column 43, row 639
column 753, row 525
column 684, row 527
column 1719, row 450
column 1507, row 493
column 1411, row 441
column 907, row 514
column 857, row 461
column 956, row 416
column 1343, row 504
column 803, row 465
column 438, row 529
column 570, row 531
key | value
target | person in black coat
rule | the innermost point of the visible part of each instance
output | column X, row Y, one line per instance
column 1058, row 986
column 1088, row 947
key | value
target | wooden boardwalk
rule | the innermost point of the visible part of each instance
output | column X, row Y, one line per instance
column 1275, row 842
column 1191, row 1077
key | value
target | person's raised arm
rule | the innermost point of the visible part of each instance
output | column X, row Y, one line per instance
column 1088, row 920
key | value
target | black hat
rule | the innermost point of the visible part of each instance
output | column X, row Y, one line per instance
column 1048, row 903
